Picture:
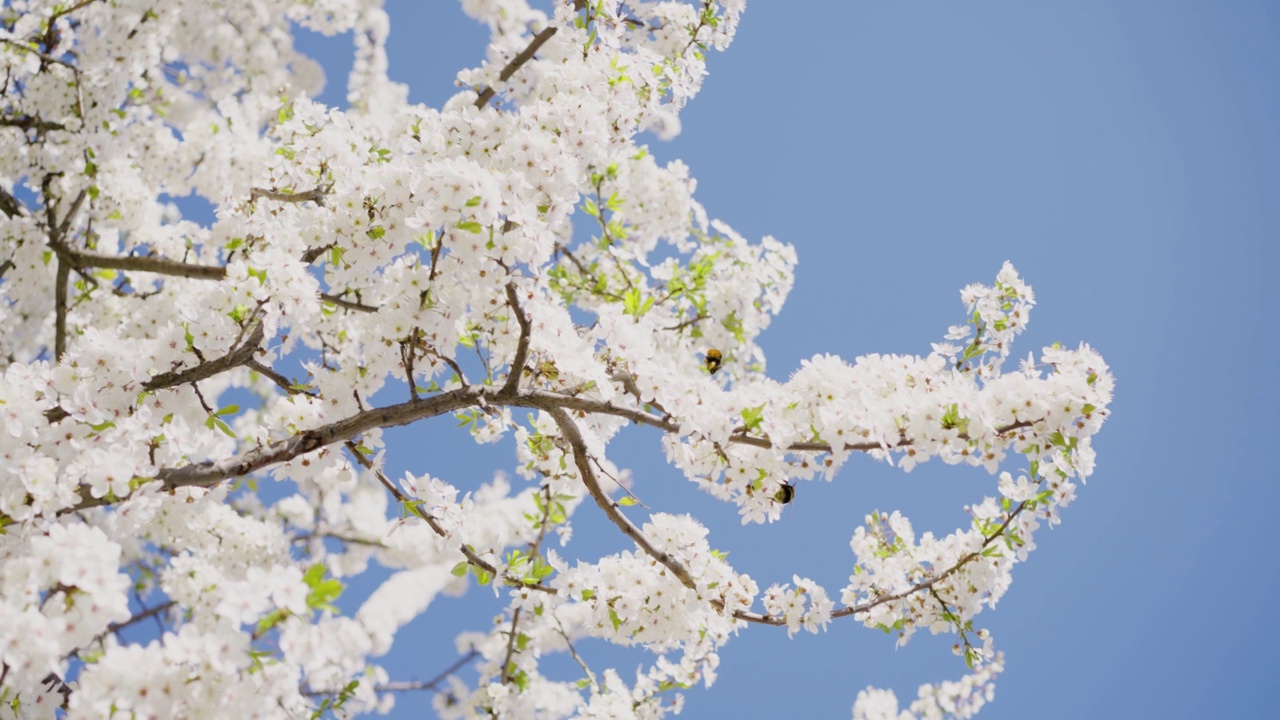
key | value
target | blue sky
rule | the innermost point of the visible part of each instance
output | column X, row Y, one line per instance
column 1126, row 158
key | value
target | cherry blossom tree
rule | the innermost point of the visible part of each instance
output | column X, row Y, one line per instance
column 514, row 259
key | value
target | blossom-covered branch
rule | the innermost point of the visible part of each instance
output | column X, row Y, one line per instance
column 532, row 271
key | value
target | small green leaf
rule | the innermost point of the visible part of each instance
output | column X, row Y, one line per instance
column 215, row 421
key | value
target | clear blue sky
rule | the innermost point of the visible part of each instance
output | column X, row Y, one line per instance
column 1126, row 157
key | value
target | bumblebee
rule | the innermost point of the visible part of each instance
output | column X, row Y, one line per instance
column 785, row 494
column 713, row 360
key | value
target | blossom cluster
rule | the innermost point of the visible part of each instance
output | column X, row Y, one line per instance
column 192, row 414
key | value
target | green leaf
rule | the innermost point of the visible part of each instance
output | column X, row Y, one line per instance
column 541, row 570
column 753, row 416
column 255, row 658
column 470, row 226
column 270, row 620
column 215, row 421
column 460, row 569
column 322, row 592
column 627, row 501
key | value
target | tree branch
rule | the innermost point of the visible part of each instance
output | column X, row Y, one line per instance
column 280, row 380
column 414, row 507
column 512, row 386
column 148, row 613
column 516, row 62
column 10, row 206
column 930, row 582
column 315, row 195
column 173, row 268
column 581, row 459
column 348, row 304
column 57, row 231
column 511, row 647
column 547, row 401
column 207, row 474
column 27, row 122
column 138, row 263
column 60, row 310
column 241, row 355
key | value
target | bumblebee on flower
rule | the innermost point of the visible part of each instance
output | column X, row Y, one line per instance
column 714, row 360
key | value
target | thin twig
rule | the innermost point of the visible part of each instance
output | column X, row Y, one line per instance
column 581, row 458
column 340, row 538
column 148, row 613
column 409, row 685
column 511, row 646
column 929, row 582
column 572, row 652
column 347, row 304
column 280, row 380
column 414, row 507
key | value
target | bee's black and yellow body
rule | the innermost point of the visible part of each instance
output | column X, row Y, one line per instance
column 785, row 494
column 714, row 359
